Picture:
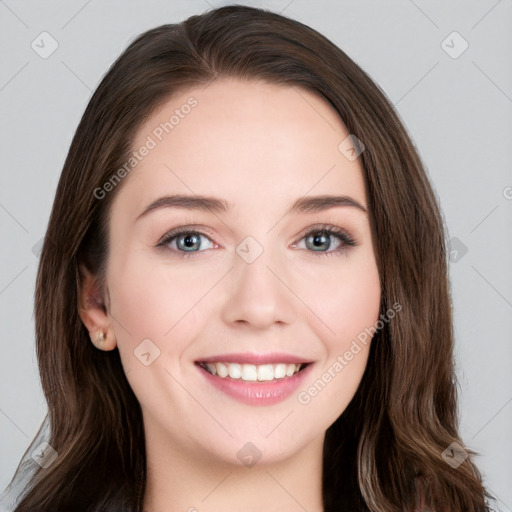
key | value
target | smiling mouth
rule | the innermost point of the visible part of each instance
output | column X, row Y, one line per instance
column 252, row 372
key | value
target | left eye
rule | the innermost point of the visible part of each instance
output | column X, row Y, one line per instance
column 321, row 240
column 186, row 241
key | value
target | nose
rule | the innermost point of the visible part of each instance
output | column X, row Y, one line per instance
column 256, row 293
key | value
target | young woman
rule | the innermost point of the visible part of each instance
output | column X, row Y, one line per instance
column 242, row 301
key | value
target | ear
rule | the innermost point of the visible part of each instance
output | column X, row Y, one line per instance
column 93, row 311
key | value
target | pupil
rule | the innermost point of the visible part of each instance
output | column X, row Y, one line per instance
column 191, row 241
column 320, row 241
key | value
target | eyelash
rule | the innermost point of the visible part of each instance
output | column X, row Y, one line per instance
column 346, row 240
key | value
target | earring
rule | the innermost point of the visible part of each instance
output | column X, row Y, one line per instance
column 100, row 338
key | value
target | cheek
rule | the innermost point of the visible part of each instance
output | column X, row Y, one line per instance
column 349, row 307
column 157, row 310
column 344, row 295
column 155, row 302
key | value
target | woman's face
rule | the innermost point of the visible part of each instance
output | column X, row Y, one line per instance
column 250, row 280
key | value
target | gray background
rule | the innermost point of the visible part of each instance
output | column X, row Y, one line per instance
column 457, row 110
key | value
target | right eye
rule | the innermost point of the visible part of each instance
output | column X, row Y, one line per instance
column 185, row 241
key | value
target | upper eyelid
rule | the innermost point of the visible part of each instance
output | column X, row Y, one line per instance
column 180, row 230
column 325, row 227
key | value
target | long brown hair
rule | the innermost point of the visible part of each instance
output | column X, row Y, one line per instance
column 404, row 414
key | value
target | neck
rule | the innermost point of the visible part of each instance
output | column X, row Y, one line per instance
column 182, row 481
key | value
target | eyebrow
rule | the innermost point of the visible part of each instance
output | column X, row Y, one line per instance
column 307, row 204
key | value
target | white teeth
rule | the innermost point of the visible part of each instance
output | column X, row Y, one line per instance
column 279, row 371
column 265, row 372
column 251, row 372
column 235, row 370
column 291, row 369
column 222, row 370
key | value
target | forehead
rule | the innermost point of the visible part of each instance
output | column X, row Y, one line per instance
column 250, row 142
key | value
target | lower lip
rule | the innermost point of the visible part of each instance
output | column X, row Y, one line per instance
column 258, row 393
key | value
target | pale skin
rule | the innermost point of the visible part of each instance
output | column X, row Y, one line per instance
column 260, row 147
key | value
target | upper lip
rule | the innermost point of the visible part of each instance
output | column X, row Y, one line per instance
column 253, row 358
